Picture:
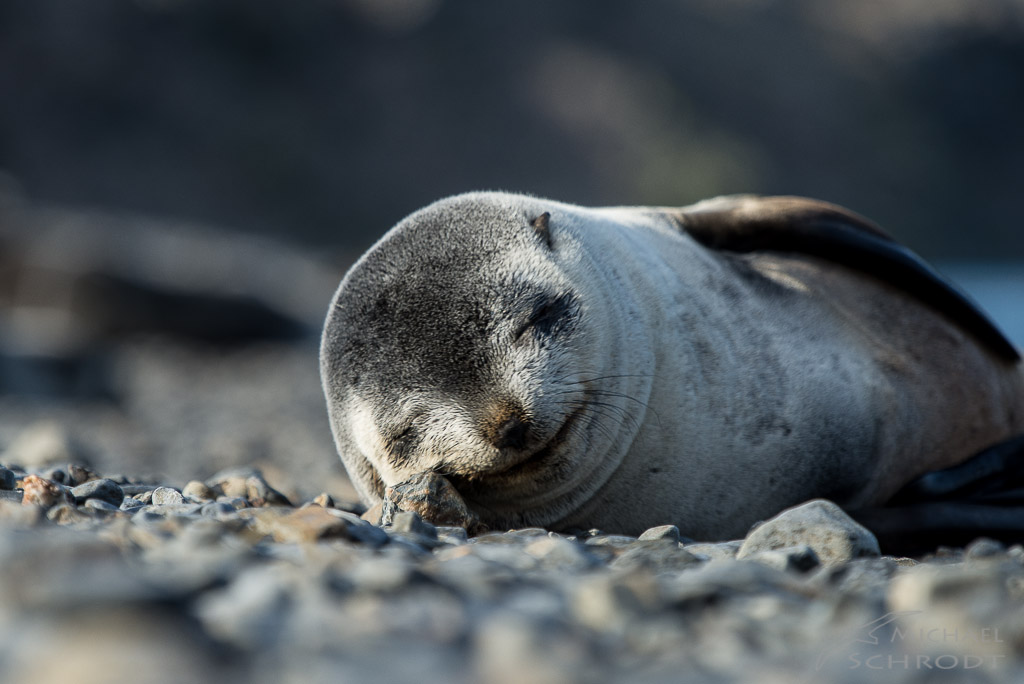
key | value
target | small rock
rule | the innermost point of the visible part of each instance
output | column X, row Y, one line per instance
column 324, row 500
column 798, row 559
column 433, row 498
column 101, row 505
column 130, row 504
column 658, row 555
column 615, row 541
column 245, row 482
column 452, row 535
column 236, row 502
column 662, row 532
column 105, row 490
column 554, row 552
column 55, row 474
column 159, row 511
column 145, row 496
column 66, row 514
column 164, row 496
column 260, row 493
column 603, row 602
column 217, row 509
column 528, row 532
column 821, row 525
column 43, row 493
column 409, row 522
column 983, row 547
column 7, row 479
column 310, row 525
column 79, row 474
column 199, row 491
column 374, row 514
column 715, row 551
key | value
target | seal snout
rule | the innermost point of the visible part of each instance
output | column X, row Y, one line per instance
column 511, row 433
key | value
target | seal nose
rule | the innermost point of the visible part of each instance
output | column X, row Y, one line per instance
column 511, row 433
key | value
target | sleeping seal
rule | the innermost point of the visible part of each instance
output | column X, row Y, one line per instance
column 620, row 368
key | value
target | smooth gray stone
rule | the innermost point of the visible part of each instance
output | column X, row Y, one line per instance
column 822, row 525
column 656, row 555
column 661, row 532
column 104, row 490
column 101, row 505
column 409, row 522
column 216, row 509
column 131, row 504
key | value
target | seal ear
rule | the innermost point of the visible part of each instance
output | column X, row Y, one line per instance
column 540, row 226
column 747, row 223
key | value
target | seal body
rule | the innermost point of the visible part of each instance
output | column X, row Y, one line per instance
column 618, row 368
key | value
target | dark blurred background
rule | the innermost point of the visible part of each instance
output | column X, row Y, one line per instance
column 327, row 120
column 282, row 138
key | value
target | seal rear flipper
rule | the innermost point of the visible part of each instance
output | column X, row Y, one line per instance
column 918, row 529
column 794, row 224
column 981, row 497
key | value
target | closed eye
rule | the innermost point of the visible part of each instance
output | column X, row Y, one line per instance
column 405, row 441
column 546, row 315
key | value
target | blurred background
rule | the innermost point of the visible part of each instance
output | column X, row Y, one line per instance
column 182, row 183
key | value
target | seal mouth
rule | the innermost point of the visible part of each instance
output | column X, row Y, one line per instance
column 542, row 454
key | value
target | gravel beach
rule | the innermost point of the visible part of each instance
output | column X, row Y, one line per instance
column 229, row 580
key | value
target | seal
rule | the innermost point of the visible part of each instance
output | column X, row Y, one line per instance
column 625, row 367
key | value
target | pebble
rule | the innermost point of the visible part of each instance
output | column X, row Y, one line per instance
column 984, row 548
column 41, row 492
column 662, row 532
column 707, row 551
column 655, row 555
column 165, row 496
column 409, row 522
column 130, row 504
column 101, row 505
column 198, row 491
column 324, row 500
column 820, row 524
column 79, row 474
column 800, row 559
column 433, row 498
column 101, row 489
column 316, row 524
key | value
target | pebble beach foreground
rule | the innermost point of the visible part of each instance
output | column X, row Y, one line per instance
column 109, row 580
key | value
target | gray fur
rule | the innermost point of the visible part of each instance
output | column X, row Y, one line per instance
column 652, row 380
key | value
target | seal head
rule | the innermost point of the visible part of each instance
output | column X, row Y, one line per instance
column 462, row 344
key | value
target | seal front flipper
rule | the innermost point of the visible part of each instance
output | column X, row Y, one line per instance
column 981, row 497
column 748, row 223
